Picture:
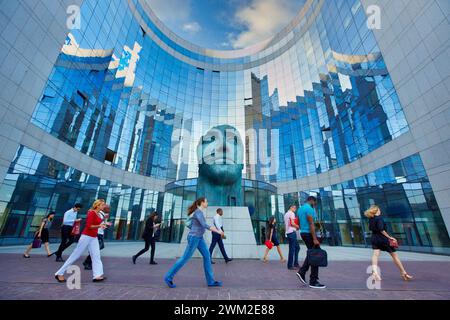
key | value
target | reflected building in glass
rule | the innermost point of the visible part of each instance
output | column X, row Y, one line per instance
column 126, row 102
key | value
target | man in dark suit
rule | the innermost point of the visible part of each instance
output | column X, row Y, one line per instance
column 149, row 238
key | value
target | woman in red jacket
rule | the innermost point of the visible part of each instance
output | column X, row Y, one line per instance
column 88, row 240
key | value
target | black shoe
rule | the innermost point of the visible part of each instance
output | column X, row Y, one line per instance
column 134, row 259
column 296, row 266
column 60, row 281
column 26, row 257
column 301, row 277
column 153, row 262
column 212, row 262
column 317, row 285
column 228, row 260
column 99, row 280
column 293, row 268
column 59, row 259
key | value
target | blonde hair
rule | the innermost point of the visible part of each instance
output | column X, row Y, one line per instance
column 97, row 203
column 372, row 211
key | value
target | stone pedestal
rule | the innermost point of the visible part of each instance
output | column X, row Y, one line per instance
column 240, row 242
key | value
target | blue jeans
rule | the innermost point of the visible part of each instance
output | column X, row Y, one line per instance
column 193, row 243
column 294, row 249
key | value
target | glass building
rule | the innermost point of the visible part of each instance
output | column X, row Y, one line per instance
column 126, row 101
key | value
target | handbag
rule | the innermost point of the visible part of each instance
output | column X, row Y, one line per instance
column 37, row 243
column 296, row 221
column 269, row 244
column 76, row 228
column 393, row 243
column 317, row 257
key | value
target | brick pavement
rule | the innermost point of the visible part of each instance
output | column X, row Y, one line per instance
column 243, row 279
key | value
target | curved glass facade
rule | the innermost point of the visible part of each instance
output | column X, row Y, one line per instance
column 328, row 93
column 125, row 91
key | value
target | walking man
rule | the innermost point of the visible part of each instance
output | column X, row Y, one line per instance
column 307, row 214
column 217, row 238
column 70, row 216
column 291, row 234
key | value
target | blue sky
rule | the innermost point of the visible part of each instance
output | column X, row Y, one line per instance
column 226, row 24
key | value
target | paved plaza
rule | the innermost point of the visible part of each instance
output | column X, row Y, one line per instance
column 345, row 277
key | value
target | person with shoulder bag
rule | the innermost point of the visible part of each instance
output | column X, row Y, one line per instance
column 315, row 256
column 69, row 225
column 272, row 240
column 42, row 236
column 382, row 241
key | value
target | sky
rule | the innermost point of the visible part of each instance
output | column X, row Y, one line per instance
column 226, row 24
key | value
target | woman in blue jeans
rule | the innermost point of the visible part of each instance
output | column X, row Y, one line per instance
column 195, row 240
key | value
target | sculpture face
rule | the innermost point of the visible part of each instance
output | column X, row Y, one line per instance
column 221, row 154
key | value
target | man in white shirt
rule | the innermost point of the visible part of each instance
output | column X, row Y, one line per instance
column 291, row 234
column 70, row 216
column 217, row 238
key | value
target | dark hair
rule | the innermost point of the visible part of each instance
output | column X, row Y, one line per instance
column 78, row 205
column 219, row 210
column 50, row 213
column 153, row 215
column 271, row 220
column 195, row 204
column 293, row 205
column 311, row 198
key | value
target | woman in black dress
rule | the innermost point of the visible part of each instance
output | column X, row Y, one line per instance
column 380, row 242
column 272, row 236
column 149, row 237
column 42, row 234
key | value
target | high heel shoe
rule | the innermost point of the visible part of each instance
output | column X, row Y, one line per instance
column 26, row 256
column 407, row 277
column 59, row 280
column 376, row 276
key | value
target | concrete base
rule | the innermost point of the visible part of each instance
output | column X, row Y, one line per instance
column 240, row 242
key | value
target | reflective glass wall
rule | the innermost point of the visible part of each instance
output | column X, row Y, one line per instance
column 404, row 195
column 36, row 185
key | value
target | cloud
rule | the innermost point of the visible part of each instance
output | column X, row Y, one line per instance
column 261, row 19
column 171, row 11
column 192, row 27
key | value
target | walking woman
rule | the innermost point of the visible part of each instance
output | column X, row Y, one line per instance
column 88, row 240
column 380, row 242
column 149, row 237
column 272, row 228
column 42, row 234
column 197, row 224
